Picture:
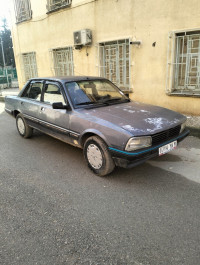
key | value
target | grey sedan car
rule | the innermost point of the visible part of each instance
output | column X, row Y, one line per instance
column 93, row 114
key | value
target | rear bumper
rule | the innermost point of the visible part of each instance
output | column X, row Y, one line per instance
column 130, row 159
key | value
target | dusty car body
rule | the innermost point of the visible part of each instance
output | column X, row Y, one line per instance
column 93, row 114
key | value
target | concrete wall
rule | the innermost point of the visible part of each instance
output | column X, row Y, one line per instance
column 146, row 20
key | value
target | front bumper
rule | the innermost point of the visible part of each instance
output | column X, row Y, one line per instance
column 130, row 159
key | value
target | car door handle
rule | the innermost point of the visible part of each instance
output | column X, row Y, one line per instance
column 22, row 103
column 42, row 109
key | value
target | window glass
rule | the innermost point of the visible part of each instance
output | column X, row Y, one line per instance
column 34, row 91
column 93, row 92
column 52, row 94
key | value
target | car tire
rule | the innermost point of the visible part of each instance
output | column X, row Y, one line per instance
column 97, row 156
column 23, row 128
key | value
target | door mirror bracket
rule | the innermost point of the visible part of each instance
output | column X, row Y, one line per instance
column 60, row 105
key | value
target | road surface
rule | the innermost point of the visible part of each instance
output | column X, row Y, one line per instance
column 53, row 210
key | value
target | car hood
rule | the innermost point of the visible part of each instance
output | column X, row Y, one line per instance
column 137, row 118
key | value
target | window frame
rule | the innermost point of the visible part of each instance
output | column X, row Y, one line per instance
column 20, row 19
column 56, row 84
column 31, row 66
column 54, row 9
column 172, row 62
column 70, row 63
column 30, row 85
column 125, row 87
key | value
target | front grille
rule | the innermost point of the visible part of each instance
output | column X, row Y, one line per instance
column 165, row 135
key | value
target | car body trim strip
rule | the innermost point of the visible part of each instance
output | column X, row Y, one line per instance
column 50, row 124
column 150, row 149
column 8, row 110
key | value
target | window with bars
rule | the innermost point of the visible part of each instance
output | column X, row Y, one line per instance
column 63, row 61
column 22, row 10
column 57, row 4
column 114, row 63
column 30, row 65
column 185, row 63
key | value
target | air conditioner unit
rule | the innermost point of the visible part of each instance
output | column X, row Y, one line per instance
column 83, row 37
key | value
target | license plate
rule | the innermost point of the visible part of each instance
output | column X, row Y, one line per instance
column 167, row 148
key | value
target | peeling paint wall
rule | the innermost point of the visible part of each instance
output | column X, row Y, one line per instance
column 149, row 21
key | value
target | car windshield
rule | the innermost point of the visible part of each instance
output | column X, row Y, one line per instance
column 94, row 92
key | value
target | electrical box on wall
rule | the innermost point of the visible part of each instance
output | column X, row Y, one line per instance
column 83, row 37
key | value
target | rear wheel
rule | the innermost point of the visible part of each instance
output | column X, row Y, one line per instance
column 23, row 128
column 97, row 156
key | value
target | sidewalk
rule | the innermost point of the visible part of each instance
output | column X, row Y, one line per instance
column 8, row 92
column 193, row 123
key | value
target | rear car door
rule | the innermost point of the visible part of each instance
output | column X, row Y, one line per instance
column 30, row 102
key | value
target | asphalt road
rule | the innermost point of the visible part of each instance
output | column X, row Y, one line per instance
column 53, row 210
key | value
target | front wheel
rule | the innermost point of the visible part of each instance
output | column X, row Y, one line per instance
column 23, row 128
column 97, row 156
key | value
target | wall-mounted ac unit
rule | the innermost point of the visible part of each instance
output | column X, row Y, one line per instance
column 83, row 37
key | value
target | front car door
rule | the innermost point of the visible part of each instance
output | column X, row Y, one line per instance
column 54, row 121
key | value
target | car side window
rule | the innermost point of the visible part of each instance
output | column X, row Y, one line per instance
column 53, row 94
column 34, row 91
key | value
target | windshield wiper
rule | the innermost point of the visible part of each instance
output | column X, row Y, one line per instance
column 112, row 100
column 121, row 100
column 91, row 103
column 85, row 103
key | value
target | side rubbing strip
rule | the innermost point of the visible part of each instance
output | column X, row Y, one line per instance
column 51, row 125
column 8, row 110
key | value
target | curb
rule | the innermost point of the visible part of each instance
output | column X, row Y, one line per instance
column 194, row 131
column 2, row 99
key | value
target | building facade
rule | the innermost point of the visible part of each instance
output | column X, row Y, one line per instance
column 149, row 48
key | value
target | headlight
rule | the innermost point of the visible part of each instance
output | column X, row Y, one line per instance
column 138, row 143
column 183, row 125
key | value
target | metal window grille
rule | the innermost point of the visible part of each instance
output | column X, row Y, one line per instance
column 30, row 65
column 114, row 63
column 56, row 4
column 22, row 10
column 184, row 66
column 63, row 61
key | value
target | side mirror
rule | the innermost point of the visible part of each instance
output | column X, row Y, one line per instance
column 59, row 105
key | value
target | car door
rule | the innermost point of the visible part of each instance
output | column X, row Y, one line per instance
column 30, row 102
column 54, row 121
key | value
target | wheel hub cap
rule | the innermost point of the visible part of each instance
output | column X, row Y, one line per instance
column 21, row 126
column 94, row 156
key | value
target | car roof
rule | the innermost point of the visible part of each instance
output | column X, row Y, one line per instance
column 65, row 79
